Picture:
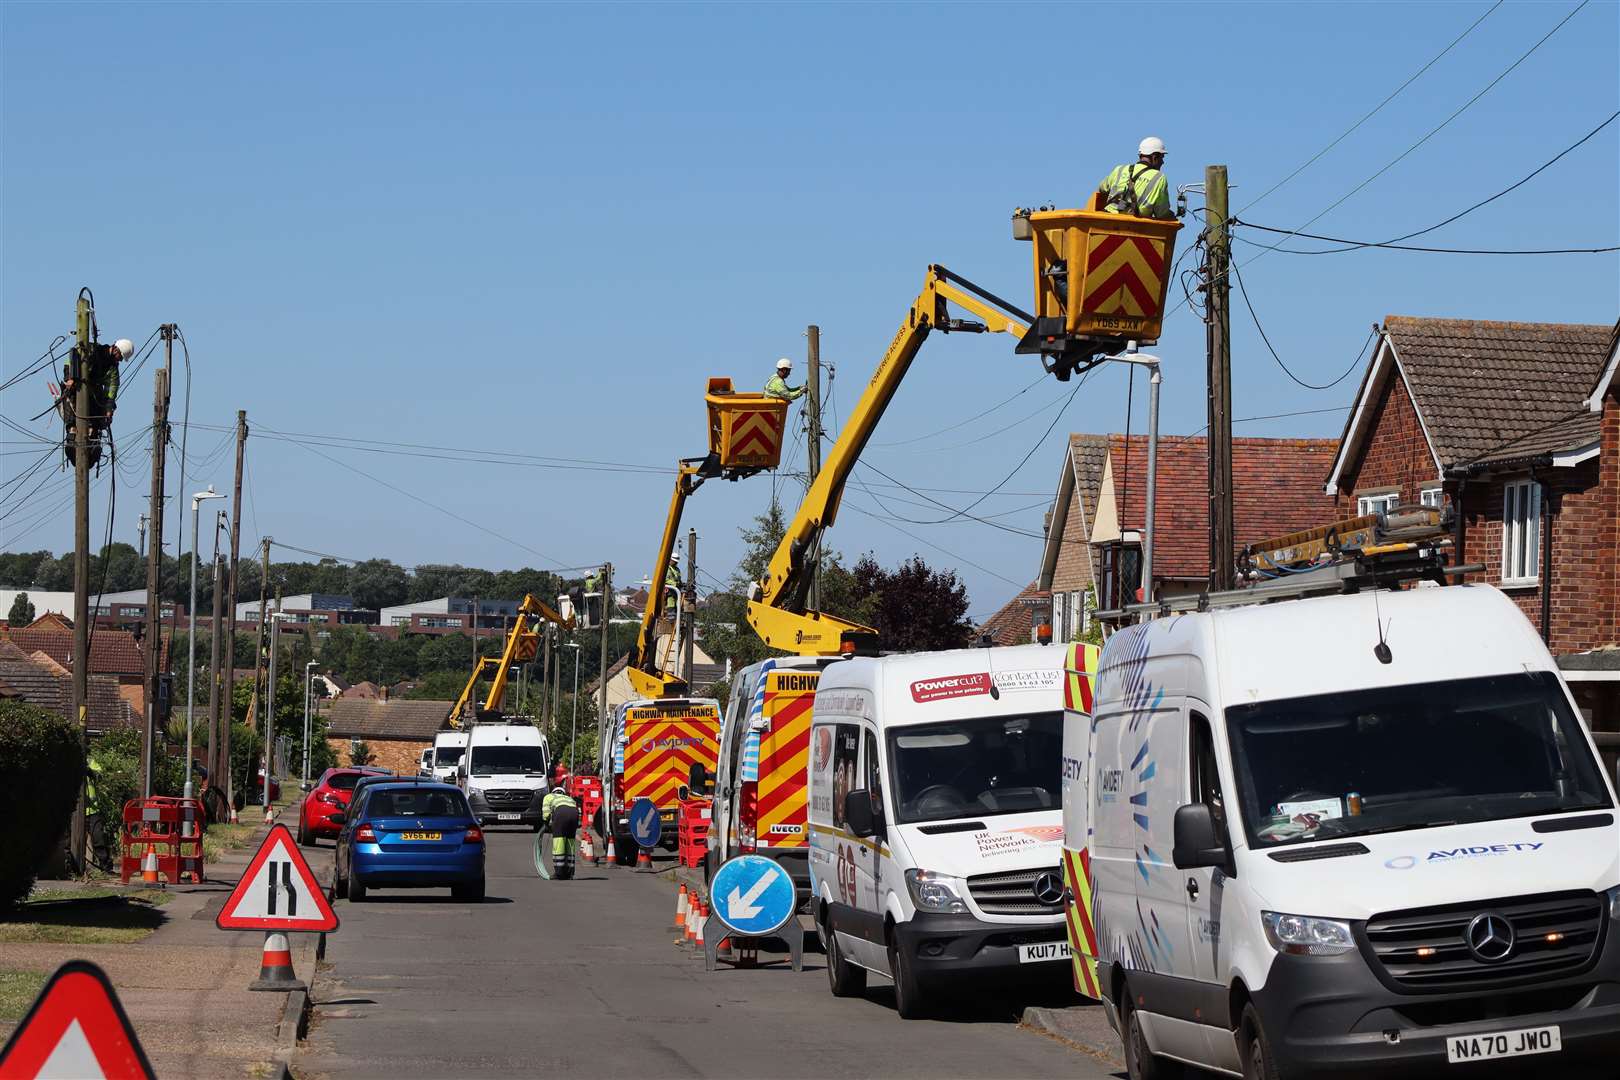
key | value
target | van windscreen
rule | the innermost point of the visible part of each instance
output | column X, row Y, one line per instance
column 980, row 767
column 1410, row 757
column 505, row 760
column 446, row 756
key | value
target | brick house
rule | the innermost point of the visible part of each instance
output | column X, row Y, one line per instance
column 1517, row 426
column 115, row 654
column 1016, row 621
column 1274, row 491
column 396, row 732
column 40, row 680
column 1067, row 560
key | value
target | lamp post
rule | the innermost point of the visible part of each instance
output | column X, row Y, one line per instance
column 573, row 726
column 309, row 694
column 191, row 632
column 276, row 619
column 1131, row 356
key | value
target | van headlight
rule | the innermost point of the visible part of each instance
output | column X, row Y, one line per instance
column 936, row 892
column 1305, row 935
column 1614, row 902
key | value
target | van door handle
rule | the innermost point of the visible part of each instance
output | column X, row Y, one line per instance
column 1192, row 888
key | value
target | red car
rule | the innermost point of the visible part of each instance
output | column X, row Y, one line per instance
column 330, row 796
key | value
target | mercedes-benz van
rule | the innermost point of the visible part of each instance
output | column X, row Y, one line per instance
column 1348, row 834
column 935, row 822
column 505, row 773
column 448, row 746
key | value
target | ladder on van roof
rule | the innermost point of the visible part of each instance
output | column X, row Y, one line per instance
column 1382, row 550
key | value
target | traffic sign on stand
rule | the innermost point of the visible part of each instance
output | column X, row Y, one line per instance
column 76, row 1028
column 645, row 825
column 277, row 892
column 753, row 895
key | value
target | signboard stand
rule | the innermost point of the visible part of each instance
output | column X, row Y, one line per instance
column 753, row 900
column 278, row 894
column 714, row 929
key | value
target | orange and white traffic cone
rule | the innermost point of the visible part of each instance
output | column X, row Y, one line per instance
column 275, row 967
column 612, row 859
column 643, row 859
column 681, row 904
column 689, row 931
column 149, row 867
column 233, row 816
column 703, row 914
column 587, row 850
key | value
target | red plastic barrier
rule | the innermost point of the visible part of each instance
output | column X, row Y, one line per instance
column 587, row 791
column 692, row 830
column 170, row 828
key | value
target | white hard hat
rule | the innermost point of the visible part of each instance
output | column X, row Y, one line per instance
column 125, row 347
column 1150, row 145
column 783, row 364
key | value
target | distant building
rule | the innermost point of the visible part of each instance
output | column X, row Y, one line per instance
column 449, row 614
column 40, row 680
column 1016, row 622
column 114, row 653
column 395, row 732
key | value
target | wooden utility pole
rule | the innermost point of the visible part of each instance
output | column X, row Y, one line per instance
column 555, row 674
column 1222, row 566
column 604, row 725
column 236, row 551
column 545, row 680
column 812, row 445
column 689, row 601
column 217, row 655
column 82, row 351
column 256, row 702
column 153, row 637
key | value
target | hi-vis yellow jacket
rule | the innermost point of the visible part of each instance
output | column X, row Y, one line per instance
column 1137, row 189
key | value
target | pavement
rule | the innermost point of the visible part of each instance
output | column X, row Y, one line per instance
column 184, row 986
column 584, row 978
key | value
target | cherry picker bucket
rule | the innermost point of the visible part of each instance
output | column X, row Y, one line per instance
column 745, row 430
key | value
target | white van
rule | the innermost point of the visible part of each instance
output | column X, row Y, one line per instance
column 448, row 746
column 935, row 821
column 1344, row 833
column 504, row 773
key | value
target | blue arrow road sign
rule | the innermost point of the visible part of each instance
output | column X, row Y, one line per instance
column 752, row 895
column 645, row 827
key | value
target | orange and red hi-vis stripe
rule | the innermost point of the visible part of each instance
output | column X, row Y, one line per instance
column 1080, row 677
column 660, row 749
column 1081, row 922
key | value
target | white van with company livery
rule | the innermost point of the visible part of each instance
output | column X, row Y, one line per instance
column 505, row 773
column 1352, row 834
column 935, row 821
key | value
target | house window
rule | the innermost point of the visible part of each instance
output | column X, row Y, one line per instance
column 1060, row 615
column 1377, row 504
column 1432, row 497
column 1078, row 615
column 1521, row 532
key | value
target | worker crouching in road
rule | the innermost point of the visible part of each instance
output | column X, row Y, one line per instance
column 561, row 813
column 1141, row 189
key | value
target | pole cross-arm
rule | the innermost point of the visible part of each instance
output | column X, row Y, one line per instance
column 778, row 610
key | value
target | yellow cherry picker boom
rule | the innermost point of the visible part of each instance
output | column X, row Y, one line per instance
column 522, row 645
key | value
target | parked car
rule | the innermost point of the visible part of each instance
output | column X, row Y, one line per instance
column 410, row 834
column 330, row 797
column 258, row 788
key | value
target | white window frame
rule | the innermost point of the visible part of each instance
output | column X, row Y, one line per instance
column 1060, row 615
column 1432, row 496
column 1521, row 532
column 1371, row 504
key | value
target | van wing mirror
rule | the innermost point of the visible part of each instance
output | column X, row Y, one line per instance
column 698, row 778
column 1197, row 839
column 862, row 813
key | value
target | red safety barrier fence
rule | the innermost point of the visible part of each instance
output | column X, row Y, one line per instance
column 692, row 830
column 587, row 791
column 170, row 831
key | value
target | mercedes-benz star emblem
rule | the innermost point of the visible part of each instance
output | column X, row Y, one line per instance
column 1490, row 937
column 1049, row 889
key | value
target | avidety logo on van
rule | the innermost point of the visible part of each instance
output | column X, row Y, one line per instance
column 1472, row 851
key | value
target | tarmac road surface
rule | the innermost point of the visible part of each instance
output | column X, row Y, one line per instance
column 582, row 979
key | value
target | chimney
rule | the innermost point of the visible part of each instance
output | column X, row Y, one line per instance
column 382, row 694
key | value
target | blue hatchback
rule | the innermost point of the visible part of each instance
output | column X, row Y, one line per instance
column 410, row 834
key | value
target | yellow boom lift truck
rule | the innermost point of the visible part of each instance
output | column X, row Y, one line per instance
column 522, row 645
column 665, row 740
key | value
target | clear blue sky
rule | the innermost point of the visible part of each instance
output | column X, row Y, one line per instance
column 537, row 229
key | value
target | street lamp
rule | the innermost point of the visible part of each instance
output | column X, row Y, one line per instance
column 276, row 619
column 191, row 634
column 1131, row 356
column 309, row 694
column 573, row 727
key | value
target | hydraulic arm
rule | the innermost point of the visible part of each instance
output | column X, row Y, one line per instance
column 522, row 645
column 644, row 670
column 778, row 609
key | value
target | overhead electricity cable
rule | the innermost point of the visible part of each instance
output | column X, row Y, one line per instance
column 46, row 359
column 1357, row 245
column 1393, row 94
column 1354, row 364
column 880, row 519
column 963, row 423
column 997, row 433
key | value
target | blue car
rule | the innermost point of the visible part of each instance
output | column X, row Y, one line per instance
column 410, row 834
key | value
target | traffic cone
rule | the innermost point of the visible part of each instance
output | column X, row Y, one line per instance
column 690, row 930
column 703, row 913
column 233, row 816
column 643, row 859
column 269, row 815
column 275, row 968
column 612, row 859
column 681, row 904
column 149, row 867
column 587, row 850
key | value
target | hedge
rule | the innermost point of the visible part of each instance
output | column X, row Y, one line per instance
column 41, row 766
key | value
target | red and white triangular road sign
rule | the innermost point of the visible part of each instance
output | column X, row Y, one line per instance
column 76, row 1028
column 277, row 891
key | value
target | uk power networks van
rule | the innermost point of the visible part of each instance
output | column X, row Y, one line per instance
column 504, row 773
column 1344, row 834
column 761, row 786
column 935, row 821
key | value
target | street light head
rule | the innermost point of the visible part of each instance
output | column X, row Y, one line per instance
column 198, row 497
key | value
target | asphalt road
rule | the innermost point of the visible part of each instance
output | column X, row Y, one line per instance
column 582, row 978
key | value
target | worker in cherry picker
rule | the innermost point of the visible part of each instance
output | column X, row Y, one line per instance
column 100, row 370
column 561, row 814
column 1141, row 189
column 778, row 386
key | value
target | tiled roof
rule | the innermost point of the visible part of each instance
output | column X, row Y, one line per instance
column 1495, row 391
column 1081, row 475
column 39, row 685
column 414, row 721
column 112, row 652
column 1015, row 622
column 1276, row 488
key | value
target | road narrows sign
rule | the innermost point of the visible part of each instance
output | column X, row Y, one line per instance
column 78, row 1028
column 753, row 895
column 277, row 891
column 645, row 825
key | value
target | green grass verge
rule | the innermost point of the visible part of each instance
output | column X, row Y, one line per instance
column 91, row 916
column 18, row 989
column 219, row 840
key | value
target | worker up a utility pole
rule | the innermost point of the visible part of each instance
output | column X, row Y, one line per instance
column 812, row 445
column 152, row 638
column 1217, row 240
column 236, row 551
column 80, row 361
column 689, row 602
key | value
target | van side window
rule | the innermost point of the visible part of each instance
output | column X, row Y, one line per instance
column 874, row 774
column 845, row 758
column 1206, row 776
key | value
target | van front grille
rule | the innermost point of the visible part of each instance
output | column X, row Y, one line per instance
column 1428, row 949
column 508, row 798
column 1014, row 892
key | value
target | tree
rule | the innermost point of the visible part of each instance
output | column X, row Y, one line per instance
column 915, row 608
column 22, row 612
column 378, row 583
column 360, row 753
